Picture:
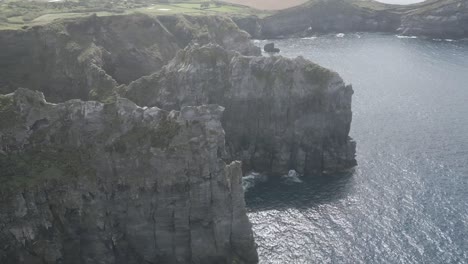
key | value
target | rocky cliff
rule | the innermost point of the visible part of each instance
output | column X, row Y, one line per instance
column 438, row 19
column 281, row 114
column 87, row 58
column 107, row 181
column 329, row 16
column 87, row 182
column 433, row 18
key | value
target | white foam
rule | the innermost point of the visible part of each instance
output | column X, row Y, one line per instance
column 164, row 9
column 406, row 37
column 292, row 177
column 309, row 38
column 249, row 180
column 340, row 35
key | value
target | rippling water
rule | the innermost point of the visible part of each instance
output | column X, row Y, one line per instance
column 407, row 201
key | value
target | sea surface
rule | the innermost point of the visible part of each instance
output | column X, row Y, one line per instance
column 400, row 2
column 407, row 200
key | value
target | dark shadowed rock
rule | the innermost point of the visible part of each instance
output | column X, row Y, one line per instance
column 270, row 48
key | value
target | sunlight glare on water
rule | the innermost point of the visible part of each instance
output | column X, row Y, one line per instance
column 407, row 201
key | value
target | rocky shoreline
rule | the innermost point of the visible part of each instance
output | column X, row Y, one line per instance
column 435, row 19
column 152, row 121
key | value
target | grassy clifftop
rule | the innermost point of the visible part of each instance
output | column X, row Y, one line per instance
column 17, row 14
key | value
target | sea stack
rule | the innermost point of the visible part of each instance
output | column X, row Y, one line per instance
column 270, row 48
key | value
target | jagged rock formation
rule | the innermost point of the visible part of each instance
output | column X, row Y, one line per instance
column 87, row 182
column 281, row 114
column 433, row 18
column 87, row 58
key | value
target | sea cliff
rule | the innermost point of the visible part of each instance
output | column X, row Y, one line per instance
column 281, row 114
column 138, row 152
column 438, row 19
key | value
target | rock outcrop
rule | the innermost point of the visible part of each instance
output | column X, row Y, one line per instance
column 87, row 58
column 270, row 48
column 87, row 182
column 432, row 18
column 281, row 114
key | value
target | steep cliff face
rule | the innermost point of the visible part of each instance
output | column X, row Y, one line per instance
column 440, row 19
column 433, row 18
column 86, row 182
column 281, row 114
column 87, row 58
column 328, row 16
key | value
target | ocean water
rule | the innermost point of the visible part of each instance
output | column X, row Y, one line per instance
column 400, row 2
column 407, row 200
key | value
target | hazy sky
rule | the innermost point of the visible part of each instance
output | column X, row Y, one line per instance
column 400, row 1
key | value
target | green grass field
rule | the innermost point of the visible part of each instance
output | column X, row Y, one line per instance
column 17, row 14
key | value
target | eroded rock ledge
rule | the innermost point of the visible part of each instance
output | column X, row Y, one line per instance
column 281, row 113
column 87, row 182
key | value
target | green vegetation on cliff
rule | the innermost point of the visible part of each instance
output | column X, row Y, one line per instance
column 30, row 168
column 8, row 116
column 16, row 14
column 316, row 73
